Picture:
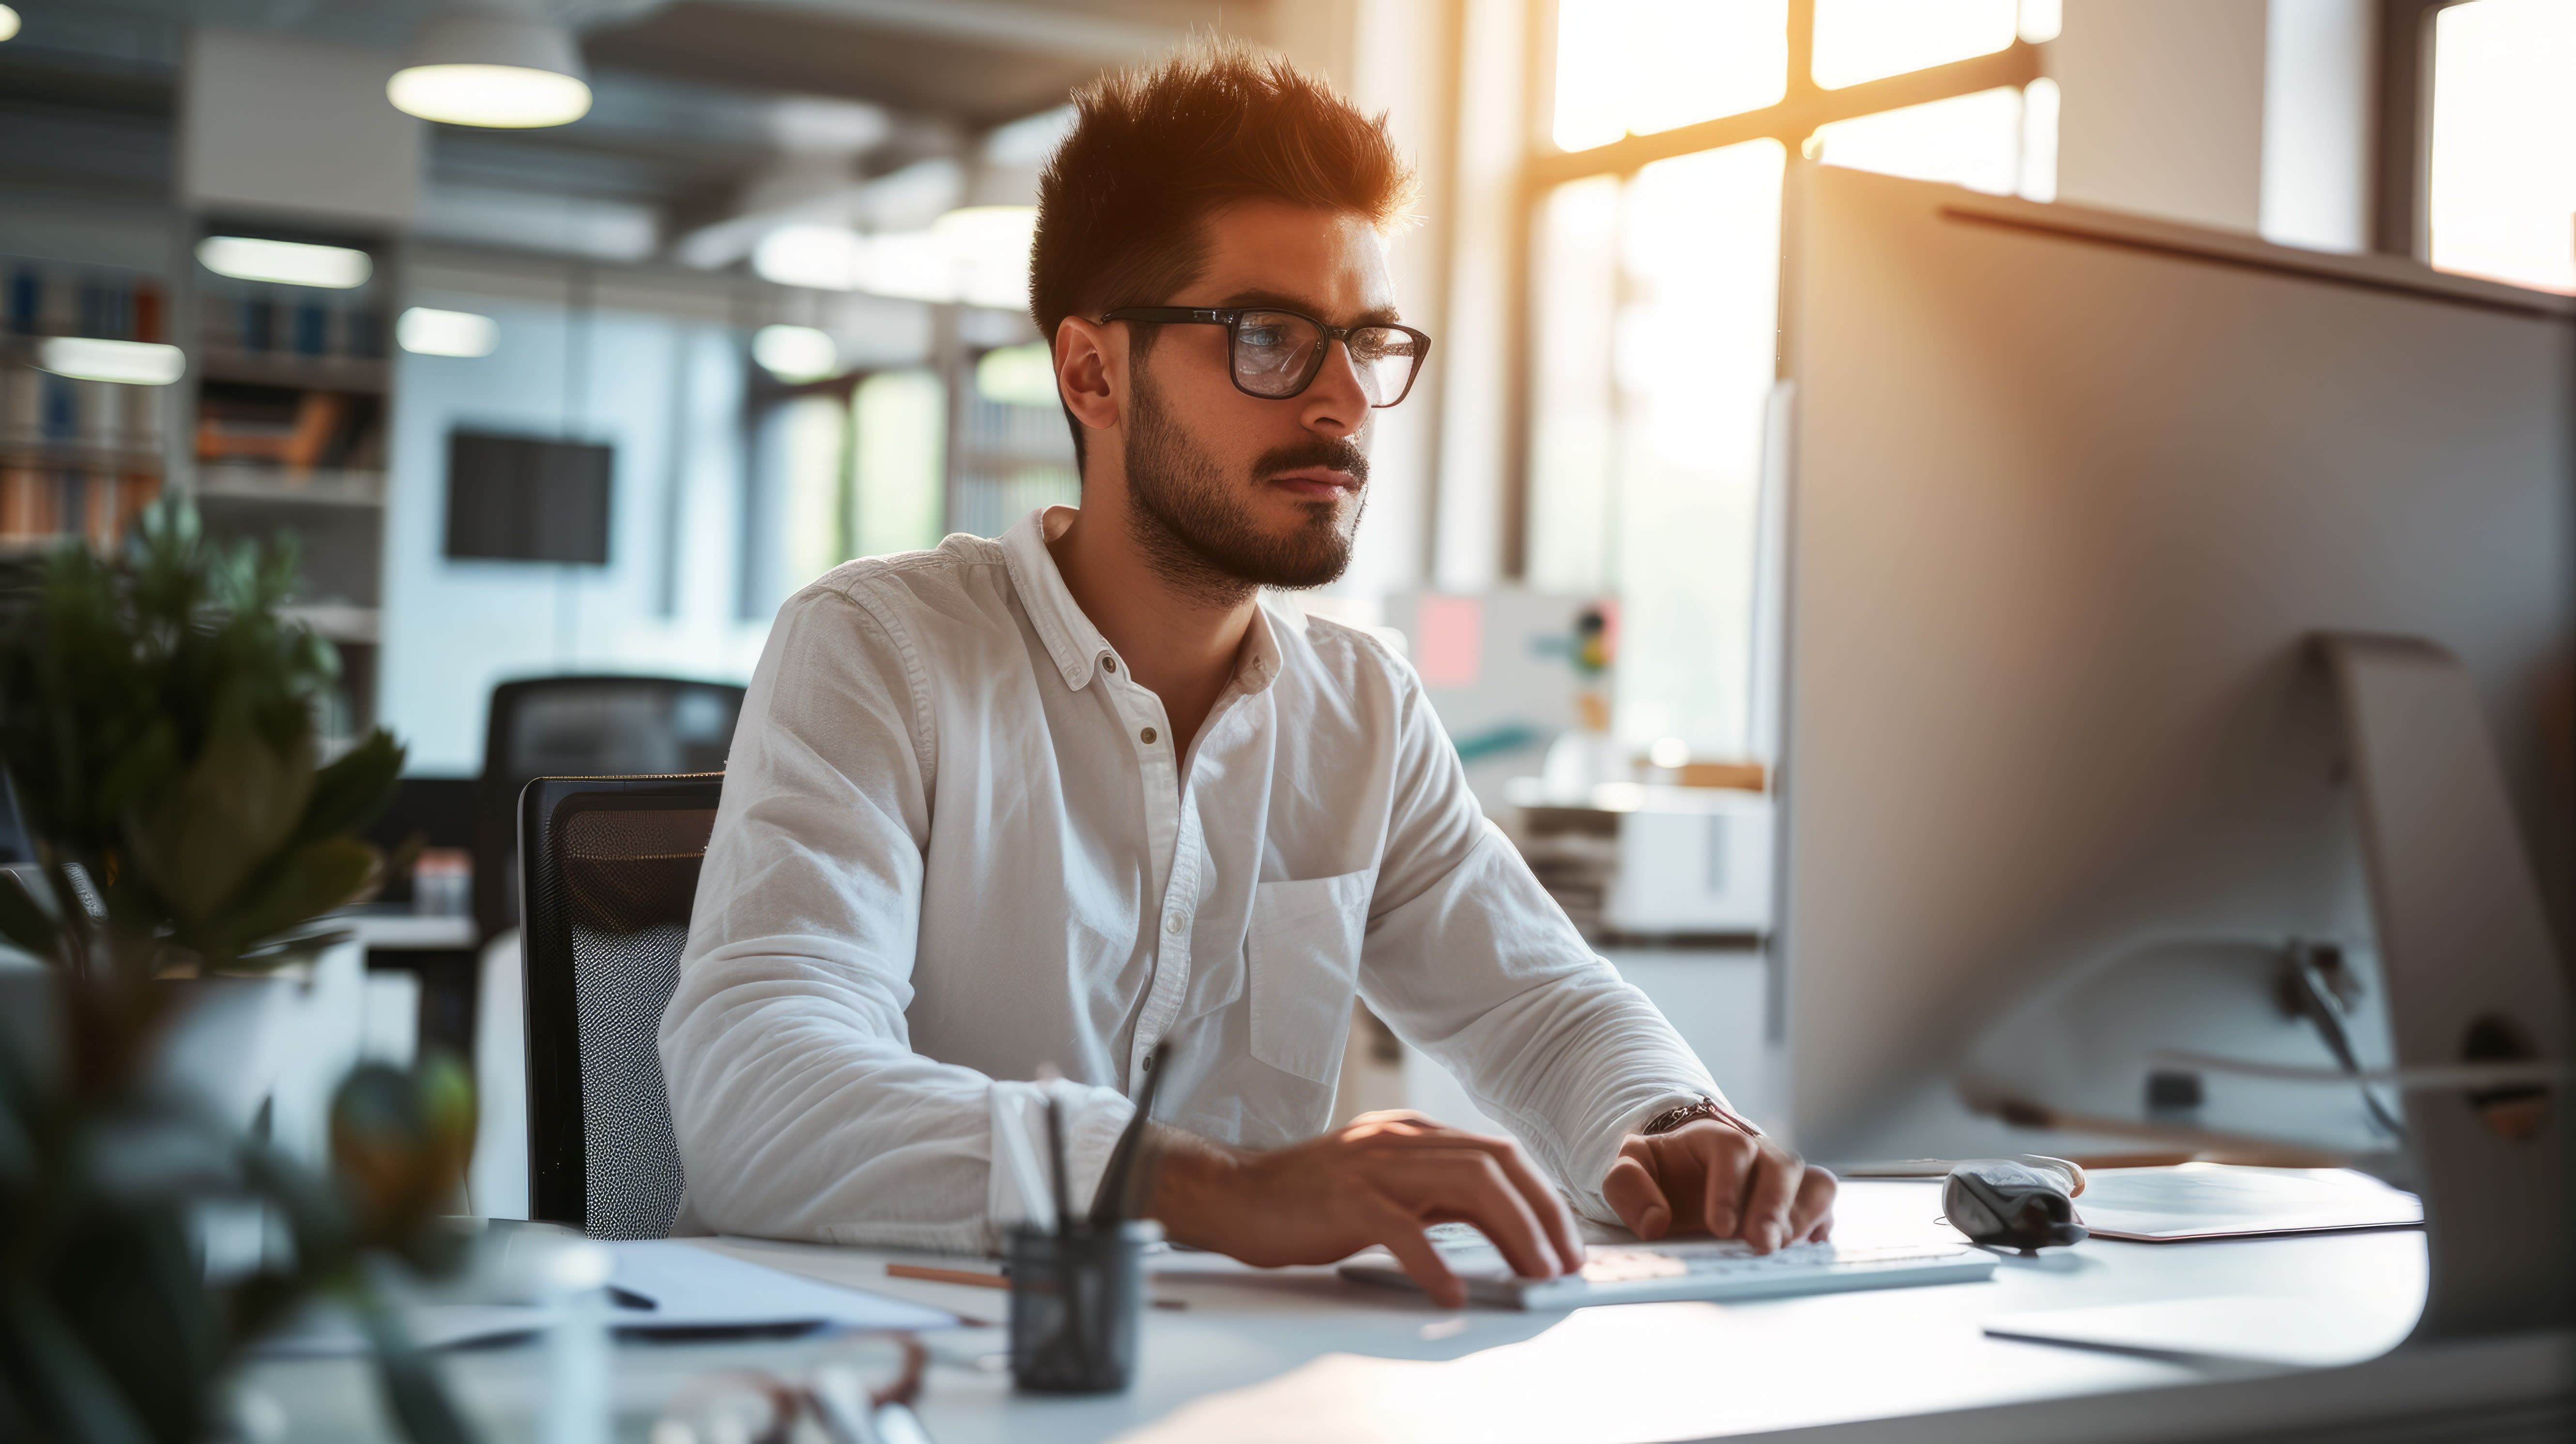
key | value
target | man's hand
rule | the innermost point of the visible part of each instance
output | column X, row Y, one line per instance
column 1708, row 1175
column 1382, row 1179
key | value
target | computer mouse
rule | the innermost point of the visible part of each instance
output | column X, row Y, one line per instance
column 2024, row 1203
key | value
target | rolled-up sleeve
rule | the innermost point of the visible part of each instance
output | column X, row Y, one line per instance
column 1470, row 960
column 800, row 1107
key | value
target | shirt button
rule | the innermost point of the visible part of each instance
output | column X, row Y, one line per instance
column 1148, row 735
column 1174, row 924
column 1148, row 1064
column 1109, row 664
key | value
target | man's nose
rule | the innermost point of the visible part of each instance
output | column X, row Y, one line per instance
column 1336, row 402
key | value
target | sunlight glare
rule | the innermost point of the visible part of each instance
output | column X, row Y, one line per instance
column 1641, row 66
column 2503, row 197
column 1859, row 40
column 1970, row 140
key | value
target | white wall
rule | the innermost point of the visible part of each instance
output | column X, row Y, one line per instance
column 2317, row 95
column 667, row 393
column 2163, row 108
column 281, row 125
column 2253, row 115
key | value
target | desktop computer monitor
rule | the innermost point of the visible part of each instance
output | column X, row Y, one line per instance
column 2068, row 497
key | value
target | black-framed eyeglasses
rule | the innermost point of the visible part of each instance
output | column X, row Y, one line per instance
column 1277, row 354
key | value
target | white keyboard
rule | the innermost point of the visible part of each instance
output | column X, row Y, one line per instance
column 1705, row 1269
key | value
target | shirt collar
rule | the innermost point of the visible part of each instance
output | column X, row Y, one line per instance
column 1071, row 641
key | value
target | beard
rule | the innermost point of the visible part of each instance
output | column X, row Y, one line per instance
column 1195, row 524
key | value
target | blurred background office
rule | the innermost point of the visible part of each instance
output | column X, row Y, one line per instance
column 578, row 377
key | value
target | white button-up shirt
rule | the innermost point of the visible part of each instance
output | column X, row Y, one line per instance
column 956, row 846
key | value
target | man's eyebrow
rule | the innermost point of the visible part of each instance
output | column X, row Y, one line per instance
column 1281, row 300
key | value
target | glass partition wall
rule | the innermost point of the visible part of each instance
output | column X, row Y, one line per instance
column 1664, row 132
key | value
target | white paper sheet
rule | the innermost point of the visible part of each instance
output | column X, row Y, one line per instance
column 690, row 1290
column 2218, row 1200
column 2299, row 1333
column 698, row 1288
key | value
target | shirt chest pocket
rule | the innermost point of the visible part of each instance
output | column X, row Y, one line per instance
column 1303, row 953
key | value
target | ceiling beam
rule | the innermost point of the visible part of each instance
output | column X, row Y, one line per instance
column 1006, row 23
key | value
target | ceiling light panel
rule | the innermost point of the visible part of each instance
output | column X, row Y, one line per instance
column 503, row 72
column 131, row 363
column 427, row 331
column 288, row 263
column 795, row 353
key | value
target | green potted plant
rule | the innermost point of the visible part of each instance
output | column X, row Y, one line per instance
column 158, row 723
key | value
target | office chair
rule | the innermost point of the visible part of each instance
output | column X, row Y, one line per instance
column 583, row 727
column 611, row 870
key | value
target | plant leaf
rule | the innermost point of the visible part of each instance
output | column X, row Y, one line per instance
column 348, row 794
column 24, row 922
column 414, row 1393
column 229, row 813
column 311, row 881
column 80, row 1396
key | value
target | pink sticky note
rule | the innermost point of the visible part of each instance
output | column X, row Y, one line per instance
column 1449, row 640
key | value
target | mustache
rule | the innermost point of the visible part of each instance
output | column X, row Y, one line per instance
column 1342, row 454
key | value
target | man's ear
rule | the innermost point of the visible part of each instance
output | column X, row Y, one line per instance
column 1090, row 371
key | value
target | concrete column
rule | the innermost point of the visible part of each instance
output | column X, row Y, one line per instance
column 1477, row 443
column 1404, row 65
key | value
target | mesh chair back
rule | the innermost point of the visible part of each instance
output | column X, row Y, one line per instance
column 611, row 869
column 584, row 727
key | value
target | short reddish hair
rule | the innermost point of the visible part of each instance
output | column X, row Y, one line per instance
column 1153, row 153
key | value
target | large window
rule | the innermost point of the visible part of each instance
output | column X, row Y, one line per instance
column 2503, row 199
column 850, row 466
column 1655, row 249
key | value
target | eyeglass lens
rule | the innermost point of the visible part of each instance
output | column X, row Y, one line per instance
column 1276, row 353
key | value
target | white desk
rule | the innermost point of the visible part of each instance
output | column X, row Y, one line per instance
column 1298, row 1354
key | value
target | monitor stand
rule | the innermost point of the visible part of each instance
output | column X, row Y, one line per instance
column 2472, row 978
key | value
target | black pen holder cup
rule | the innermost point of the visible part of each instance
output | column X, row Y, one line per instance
column 1076, row 1302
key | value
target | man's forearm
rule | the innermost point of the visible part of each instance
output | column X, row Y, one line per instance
column 1192, row 1183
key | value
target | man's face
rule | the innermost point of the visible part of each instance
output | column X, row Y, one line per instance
column 1257, row 491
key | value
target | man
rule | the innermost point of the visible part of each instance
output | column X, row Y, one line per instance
column 1057, row 798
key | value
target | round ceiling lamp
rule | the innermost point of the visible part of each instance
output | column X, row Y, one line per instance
column 478, row 67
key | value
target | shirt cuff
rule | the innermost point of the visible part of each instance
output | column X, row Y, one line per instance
column 1022, row 1187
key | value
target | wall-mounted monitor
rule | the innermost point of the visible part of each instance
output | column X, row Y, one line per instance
column 527, row 499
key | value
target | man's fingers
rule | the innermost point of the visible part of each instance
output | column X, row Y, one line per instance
column 1412, row 1248
column 1812, row 1217
column 1470, row 1185
column 1415, row 1135
column 1632, row 1194
column 1391, row 1122
column 1544, row 1202
column 1766, row 1203
column 1724, row 1157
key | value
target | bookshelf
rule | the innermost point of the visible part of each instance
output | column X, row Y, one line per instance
column 276, row 427
column 78, row 458
column 290, row 392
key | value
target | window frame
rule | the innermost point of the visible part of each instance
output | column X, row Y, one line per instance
column 2401, row 178
column 1802, row 109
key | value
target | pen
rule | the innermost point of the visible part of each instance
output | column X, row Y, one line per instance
column 1112, row 1204
column 979, row 1279
column 1055, row 1160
